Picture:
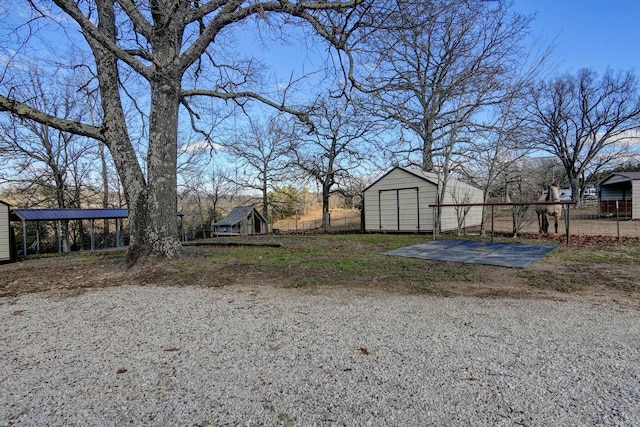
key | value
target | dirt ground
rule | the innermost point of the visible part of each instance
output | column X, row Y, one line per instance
column 564, row 282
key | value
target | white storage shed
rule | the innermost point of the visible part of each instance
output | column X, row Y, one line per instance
column 400, row 199
column 5, row 233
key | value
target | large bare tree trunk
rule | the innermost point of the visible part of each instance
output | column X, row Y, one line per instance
column 326, row 193
column 162, row 235
column 427, row 146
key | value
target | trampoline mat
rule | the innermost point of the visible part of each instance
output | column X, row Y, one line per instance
column 476, row 252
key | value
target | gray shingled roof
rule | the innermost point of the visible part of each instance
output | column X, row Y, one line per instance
column 236, row 215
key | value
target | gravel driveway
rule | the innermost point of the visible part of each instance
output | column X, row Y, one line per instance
column 267, row 356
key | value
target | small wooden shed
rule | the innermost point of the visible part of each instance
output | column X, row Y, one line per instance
column 242, row 220
column 400, row 199
column 620, row 195
column 6, row 246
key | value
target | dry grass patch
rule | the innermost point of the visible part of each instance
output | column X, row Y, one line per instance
column 356, row 260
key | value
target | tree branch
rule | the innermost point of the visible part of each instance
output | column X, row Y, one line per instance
column 235, row 96
column 90, row 30
column 25, row 111
column 232, row 12
column 139, row 21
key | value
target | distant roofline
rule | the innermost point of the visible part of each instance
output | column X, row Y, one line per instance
column 630, row 176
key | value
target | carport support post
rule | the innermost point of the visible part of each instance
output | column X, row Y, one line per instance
column 117, row 232
column 59, row 228
column 37, row 237
column 24, row 238
column 617, row 220
column 93, row 238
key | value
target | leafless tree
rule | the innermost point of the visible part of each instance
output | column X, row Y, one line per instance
column 435, row 65
column 220, row 186
column 176, row 51
column 502, row 140
column 352, row 188
column 192, row 200
column 260, row 156
column 335, row 149
column 51, row 162
column 584, row 119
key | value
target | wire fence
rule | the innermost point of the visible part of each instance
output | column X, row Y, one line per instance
column 346, row 224
column 590, row 218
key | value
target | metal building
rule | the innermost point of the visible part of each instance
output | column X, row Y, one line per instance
column 6, row 246
column 400, row 199
column 71, row 214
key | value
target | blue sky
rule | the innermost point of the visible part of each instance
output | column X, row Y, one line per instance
column 597, row 34
column 588, row 33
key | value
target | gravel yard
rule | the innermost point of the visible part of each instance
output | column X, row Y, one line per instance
column 262, row 355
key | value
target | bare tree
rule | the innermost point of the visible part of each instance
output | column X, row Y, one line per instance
column 502, row 140
column 163, row 44
column 335, row 149
column 220, row 186
column 352, row 188
column 260, row 155
column 51, row 162
column 435, row 65
column 583, row 119
column 192, row 201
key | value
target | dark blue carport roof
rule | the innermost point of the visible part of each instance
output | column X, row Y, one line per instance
column 63, row 214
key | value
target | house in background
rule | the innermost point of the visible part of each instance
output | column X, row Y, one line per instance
column 241, row 220
column 621, row 189
column 400, row 199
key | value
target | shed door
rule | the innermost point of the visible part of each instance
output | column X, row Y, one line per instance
column 399, row 210
column 408, row 212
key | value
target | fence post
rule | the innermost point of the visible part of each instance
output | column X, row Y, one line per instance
column 24, row 237
column 617, row 220
column 566, row 223
column 433, row 227
column 492, row 223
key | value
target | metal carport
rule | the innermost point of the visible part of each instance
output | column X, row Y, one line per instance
column 58, row 215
